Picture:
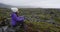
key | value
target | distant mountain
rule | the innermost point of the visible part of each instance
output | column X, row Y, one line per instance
column 5, row 5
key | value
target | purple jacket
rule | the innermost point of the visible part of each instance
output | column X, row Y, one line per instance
column 15, row 18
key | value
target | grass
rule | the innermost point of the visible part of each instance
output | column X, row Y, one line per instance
column 43, row 26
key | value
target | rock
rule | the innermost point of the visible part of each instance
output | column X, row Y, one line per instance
column 1, row 30
column 4, row 28
column 10, row 30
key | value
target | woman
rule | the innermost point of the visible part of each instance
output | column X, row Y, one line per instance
column 15, row 18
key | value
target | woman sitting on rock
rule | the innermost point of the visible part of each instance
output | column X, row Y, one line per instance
column 15, row 19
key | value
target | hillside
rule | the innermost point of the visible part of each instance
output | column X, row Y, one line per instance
column 37, row 19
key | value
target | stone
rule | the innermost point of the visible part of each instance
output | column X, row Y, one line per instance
column 1, row 30
column 4, row 28
column 10, row 30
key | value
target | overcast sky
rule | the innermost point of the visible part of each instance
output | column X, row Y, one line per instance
column 36, row 3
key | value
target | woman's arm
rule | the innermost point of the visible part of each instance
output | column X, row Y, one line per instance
column 17, row 18
column 21, row 17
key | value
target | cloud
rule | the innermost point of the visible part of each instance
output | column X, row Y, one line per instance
column 36, row 3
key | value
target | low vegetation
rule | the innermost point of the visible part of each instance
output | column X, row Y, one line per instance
column 36, row 19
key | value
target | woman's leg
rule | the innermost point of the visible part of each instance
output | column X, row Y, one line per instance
column 13, row 24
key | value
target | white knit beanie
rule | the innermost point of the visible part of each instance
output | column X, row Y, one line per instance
column 14, row 9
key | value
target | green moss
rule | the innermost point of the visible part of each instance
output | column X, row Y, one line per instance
column 44, row 26
column 57, row 19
